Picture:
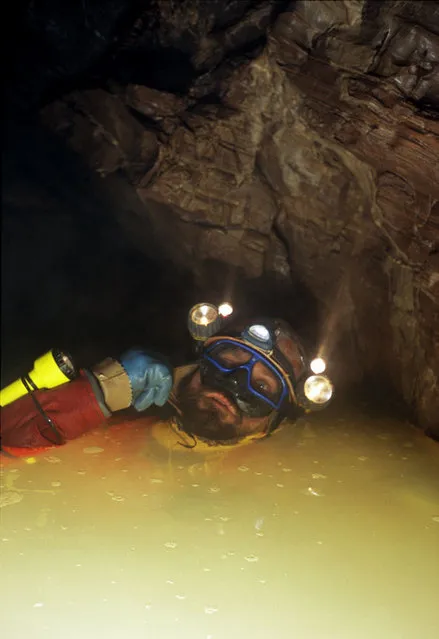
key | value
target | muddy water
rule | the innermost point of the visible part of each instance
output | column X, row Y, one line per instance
column 326, row 531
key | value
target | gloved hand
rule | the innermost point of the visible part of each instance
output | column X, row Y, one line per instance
column 151, row 380
column 136, row 379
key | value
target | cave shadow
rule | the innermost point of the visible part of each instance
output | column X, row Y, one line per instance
column 71, row 276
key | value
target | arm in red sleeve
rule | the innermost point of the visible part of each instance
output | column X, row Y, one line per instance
column 73, row 408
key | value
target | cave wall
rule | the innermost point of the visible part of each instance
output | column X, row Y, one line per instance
column 298, row 139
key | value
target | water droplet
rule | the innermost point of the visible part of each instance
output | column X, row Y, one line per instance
column 39, row 604
column 156, row 481
column 93, row 450
column 55, row 484
column 118, row 498
column 251, row 558
column 209, row 610
column 180, row 596
column 287, row 470
column 436, row 519
column 243, row 469
column 171, row 544
column 280, row 485
column 53, row 460
column 318, row 476
column 214, row 489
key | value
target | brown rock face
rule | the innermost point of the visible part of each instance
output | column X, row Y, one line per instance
column 315, row 157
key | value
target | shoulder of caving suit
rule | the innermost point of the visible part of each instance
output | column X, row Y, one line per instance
column 68, row 411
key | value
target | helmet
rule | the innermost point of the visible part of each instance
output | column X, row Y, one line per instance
column 257, row 363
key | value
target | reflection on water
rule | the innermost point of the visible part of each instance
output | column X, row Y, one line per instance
column 326, row 531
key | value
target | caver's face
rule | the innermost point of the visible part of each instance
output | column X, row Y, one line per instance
column 213, row 413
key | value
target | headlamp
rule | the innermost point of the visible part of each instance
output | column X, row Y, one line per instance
column 318, row 365
column 225, row 309
column 205, row 319
column 260, row 336
column 318, row 389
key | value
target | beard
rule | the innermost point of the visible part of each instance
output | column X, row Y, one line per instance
column 204, row 418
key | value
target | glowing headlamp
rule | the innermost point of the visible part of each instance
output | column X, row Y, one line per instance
column 318, row 389
column 318, row 365
column 205, row 319
column 225, row 309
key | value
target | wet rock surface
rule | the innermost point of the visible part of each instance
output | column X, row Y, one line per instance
column 298, row 140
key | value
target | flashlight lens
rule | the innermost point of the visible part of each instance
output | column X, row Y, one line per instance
column 318, row 389
column 204, row 314
column 225, row 309
column 318, row 365
column 260, row 332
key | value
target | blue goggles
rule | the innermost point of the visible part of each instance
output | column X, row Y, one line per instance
column 257, row 386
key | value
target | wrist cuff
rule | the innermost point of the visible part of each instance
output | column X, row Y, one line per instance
column 115, row 384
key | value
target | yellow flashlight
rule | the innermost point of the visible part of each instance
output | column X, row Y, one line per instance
column 52, row 369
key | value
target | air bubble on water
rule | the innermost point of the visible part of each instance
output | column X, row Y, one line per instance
column 287, row 470
column 258, row 473
column 214, row 489
column 436, row 519
column 225, row 518
column 362, row 458
column 93, row 450
column 118, row 498
column 280, row 485
column 251, row 558
column 82, row 472
column 180, row 596
column 195, row 485
column 209, row 610
column 318, row 476
column 169, row 581
column 55, row 484
column 170, row 544
column 311, row 491
column 243, row 469
column 39, row 604
column 156, row 481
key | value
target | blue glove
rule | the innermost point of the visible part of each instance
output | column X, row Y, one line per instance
column 151, row 380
